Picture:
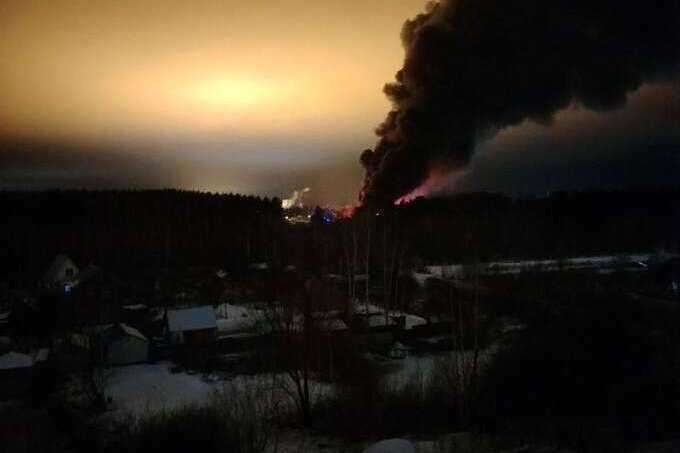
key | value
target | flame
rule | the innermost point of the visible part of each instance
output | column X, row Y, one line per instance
column 347, row 211
column 437, row 180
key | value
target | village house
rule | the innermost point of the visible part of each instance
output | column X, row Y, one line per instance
column 123, row 345
column 136, row 315
column 61, row 276
column 18, row 370
column 110, row 344
column 4, row 322
column 193, row 326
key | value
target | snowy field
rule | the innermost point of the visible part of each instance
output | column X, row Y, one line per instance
column 141, row 389
column 152, row 387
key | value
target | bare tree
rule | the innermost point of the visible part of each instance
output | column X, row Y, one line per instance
column 350, row 247
column 367, row 266
column 297, row 321
column 462, row 370
column 393, row 257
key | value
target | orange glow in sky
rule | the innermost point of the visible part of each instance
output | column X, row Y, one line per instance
column 96, row 69
column 230, row 95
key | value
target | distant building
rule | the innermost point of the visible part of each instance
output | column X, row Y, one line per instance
column 4, row 322
column 123, row 345
column 194, row 326
column 61, row 276
column 16, row 373
column 137, row 316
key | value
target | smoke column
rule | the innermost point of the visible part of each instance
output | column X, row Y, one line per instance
column 474, row 67
column 296, row 199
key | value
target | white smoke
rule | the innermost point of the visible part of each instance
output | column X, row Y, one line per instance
column 296, row 199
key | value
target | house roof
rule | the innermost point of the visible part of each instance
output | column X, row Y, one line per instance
column 111, row 331
column 41, row 355
column 195, row 318
column 13, row 360
column 326, row 323
column 60, row 261
column 135, row 307
column 132, row 331
column 332, row 325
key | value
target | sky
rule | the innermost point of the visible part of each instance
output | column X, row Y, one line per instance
column 264, row 97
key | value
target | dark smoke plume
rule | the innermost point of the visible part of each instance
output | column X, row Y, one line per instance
column 473, row 67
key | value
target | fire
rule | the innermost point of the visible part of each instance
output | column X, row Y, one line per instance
column 437, row 180
column 347, row 211
column 419, row 191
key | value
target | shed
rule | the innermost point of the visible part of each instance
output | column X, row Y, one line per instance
column 392, row 446
column 123, row 345
column 15, row 360
column 62, row 274
column 196, row 325
column 16, row 373
column 4, row 322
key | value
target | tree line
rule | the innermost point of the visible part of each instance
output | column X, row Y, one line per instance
column 128, row 230
column 489, row 226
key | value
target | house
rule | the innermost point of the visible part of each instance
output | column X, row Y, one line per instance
column 136, row 315
column 194, row 326
column 234, row 319
column 322, row 322
column 123, row 345
column 4, row 322
column 395, row 320
column 61, row 276
column 5, row 344
column 16, row 373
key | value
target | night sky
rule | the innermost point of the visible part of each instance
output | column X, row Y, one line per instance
column 265, row 97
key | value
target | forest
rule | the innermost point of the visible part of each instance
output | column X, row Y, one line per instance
column 128, row 230
column 489, row 226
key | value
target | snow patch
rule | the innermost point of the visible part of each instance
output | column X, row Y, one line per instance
column 152, row 387
column 235, row 318
column 13, row 360
column 392, row 446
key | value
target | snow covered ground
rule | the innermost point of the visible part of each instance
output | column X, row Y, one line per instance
column 152, row 387
column 417, row 368
column 236, row 319
column 378, row 318
column 141, row 389
column 545, row 265
column 138, row 389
